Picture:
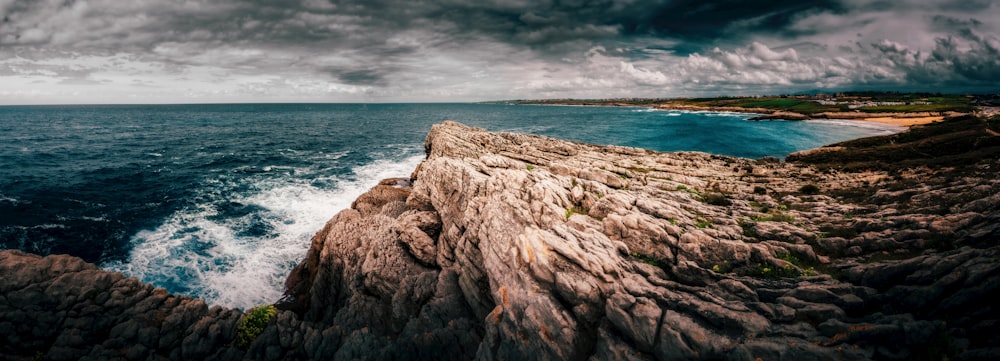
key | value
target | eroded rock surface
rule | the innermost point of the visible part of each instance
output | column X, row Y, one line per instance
column 506, row 246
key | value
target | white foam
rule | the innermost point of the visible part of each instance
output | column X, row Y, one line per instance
column 204, row 253
column 713, row 113
column 6, row 199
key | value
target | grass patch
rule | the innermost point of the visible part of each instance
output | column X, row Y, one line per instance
column 646, row 259
column 530, row 166
column 796, row 269
column 252, row 324
column 775, row 217
column 689, row 190
column 762, row 270
column 576, row 210
column 749, row 228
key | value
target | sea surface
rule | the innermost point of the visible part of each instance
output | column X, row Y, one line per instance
column 220, row 201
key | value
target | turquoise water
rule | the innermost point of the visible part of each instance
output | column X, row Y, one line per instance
column 219, row 201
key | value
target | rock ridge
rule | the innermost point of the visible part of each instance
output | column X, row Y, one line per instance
column 512, row 246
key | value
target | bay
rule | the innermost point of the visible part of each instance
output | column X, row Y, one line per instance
column 219, row 201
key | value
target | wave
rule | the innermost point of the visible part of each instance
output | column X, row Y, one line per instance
column 11, row 200
column 237, row 252
column 714, row 113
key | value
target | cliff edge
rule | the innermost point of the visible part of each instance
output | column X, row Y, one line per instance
column 511, row 246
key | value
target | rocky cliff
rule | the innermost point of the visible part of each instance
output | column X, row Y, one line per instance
column 510, row 246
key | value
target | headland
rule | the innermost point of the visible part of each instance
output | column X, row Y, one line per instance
column 903, row 109
column 511, row 246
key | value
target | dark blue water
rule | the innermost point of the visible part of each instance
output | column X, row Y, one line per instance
column 219, row 201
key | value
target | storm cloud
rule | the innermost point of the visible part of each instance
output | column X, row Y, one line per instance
column 72, row 51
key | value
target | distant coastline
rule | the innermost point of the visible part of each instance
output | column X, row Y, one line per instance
column 901, row 109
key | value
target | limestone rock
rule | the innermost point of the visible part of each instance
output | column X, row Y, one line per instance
column 511, row 246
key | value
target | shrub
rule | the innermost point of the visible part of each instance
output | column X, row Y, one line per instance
column 809, row 189
column 253, row 323
column 749, row 228
column 716, row 199
column 759, row 190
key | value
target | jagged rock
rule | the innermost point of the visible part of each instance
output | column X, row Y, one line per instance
column 510, row 246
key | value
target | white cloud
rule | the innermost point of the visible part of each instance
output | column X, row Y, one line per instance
column 313, row 50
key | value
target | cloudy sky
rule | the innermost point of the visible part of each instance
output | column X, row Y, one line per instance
column 184, row 51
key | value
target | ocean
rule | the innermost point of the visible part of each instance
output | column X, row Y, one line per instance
column 219, row 201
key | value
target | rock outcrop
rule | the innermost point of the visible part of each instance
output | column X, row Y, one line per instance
column 511, row 246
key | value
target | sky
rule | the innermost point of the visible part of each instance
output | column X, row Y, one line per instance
column 198, row 51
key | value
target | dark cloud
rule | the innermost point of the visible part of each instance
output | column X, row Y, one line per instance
column 494, row 48
column 702, row 25
column 361, row 76
column 947, row 23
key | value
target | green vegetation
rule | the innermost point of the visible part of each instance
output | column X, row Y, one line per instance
column 806, row 271
column 530, row 166
column 702, row 223
column 576, row 210
column 770, row 271
column 686, row 189
column 953, row 142
column 775, row 217
column 253, row 323
column 646, row 259
column 725, row 267
column 749, row 228
column 796, row 269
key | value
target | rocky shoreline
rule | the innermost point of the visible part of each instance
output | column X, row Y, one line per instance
column 511, row 246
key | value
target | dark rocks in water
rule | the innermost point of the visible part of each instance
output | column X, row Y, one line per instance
column 511, row 246
column 781, row 115
column 62, row 308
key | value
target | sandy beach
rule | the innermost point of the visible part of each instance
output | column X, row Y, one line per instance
column 904, row 121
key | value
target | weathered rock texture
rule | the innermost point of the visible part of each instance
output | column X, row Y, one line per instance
column 509, row 246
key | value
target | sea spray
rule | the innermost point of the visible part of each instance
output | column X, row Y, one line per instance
column 237, row 252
